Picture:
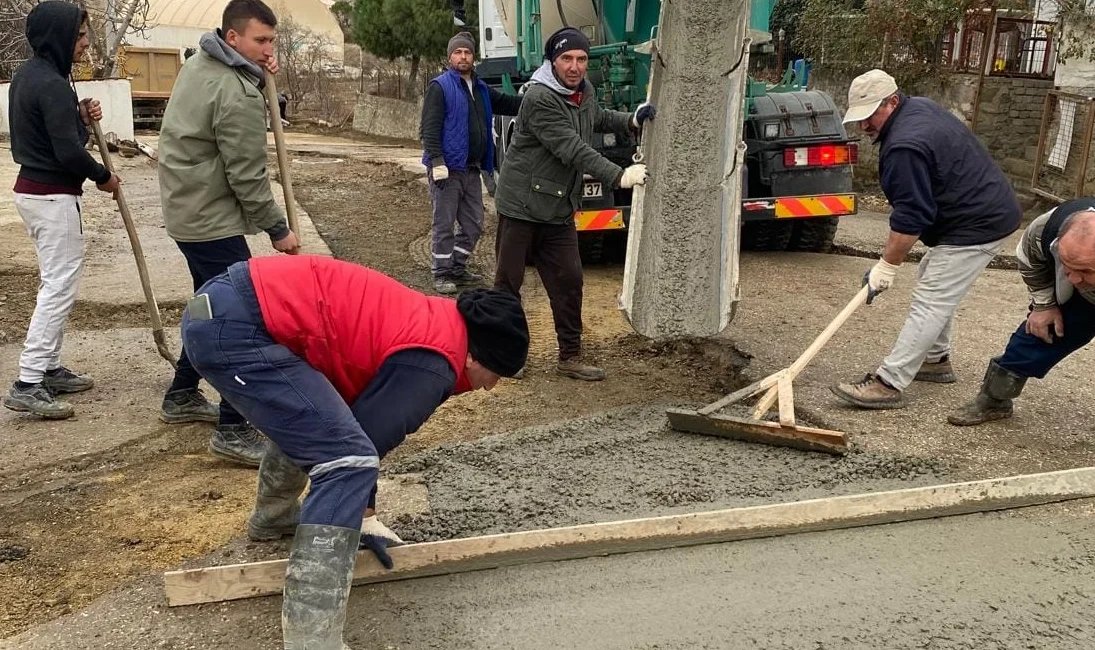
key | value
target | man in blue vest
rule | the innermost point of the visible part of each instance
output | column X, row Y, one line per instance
column 457, row 115
column 945, row 191
column 1057, row 263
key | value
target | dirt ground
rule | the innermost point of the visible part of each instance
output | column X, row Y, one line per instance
column 150, row 504
column 83, row 516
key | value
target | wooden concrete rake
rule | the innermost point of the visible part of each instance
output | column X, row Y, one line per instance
column 775, row 388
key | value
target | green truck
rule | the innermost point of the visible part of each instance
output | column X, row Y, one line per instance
column 798, row 177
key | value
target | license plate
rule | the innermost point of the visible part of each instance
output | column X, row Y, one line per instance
column 592, row 190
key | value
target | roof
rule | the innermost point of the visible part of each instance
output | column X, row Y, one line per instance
column 206, row 14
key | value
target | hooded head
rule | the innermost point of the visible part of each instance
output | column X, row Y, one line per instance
column 497, row 334
column 53, row 29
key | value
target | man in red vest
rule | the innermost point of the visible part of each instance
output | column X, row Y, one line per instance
column 336, row 364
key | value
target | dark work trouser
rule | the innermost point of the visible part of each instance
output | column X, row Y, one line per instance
column 553, row 250
column 206, row 260
column 457, row 220
column 1030, row 356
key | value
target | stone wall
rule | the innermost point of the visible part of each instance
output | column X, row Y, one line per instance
column 1009, row 122
column 391, row 118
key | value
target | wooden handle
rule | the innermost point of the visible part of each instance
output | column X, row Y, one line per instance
column 271, row 91
column 806, row 357
column 138, row 251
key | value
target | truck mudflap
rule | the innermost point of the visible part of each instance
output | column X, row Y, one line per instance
column 593, row 220
column 799, row 207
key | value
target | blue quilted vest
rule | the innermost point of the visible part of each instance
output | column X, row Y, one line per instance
column 455, row 133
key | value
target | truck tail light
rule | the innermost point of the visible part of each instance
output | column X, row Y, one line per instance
column 825, row 155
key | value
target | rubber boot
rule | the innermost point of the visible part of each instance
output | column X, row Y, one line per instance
column 277, row 506
column 994, row 402
column 317, row 587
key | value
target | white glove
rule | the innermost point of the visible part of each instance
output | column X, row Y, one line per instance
column 633, row 175
column 880, row 277
column 440, row 173
column 376, row 528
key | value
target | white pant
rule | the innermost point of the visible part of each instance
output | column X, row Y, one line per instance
column 943, row 279
column 53, row 222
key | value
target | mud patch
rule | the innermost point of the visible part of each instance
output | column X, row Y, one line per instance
column 623, row 464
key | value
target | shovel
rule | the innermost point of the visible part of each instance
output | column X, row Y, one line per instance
column 271, row 92
column 138, row 252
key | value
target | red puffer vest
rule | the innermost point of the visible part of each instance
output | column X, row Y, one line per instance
column 345, row 319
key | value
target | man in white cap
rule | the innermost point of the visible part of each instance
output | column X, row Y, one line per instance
column 945, row 191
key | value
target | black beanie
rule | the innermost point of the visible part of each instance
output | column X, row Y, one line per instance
column 497, row 329
column 565, row 40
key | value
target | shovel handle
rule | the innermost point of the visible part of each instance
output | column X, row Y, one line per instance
column 270, row 89
column 138, row 251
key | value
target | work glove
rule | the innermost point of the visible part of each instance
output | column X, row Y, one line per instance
column 440, row 174
column 644, row 112
column 490, row 183
column 633, row 175
column 377, row 537
column 879, row 278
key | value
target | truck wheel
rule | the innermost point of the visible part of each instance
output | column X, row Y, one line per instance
column 813, row 235
column 591, row 247
column 771, row 235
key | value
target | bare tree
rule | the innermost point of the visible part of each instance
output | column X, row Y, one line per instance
column 303, row 56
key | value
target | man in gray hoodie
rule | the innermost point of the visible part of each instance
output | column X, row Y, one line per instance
column 215, row 189
column 540, row 186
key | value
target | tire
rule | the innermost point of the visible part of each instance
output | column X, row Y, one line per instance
column 591, row 247
column 813, row 235
column 772, row 235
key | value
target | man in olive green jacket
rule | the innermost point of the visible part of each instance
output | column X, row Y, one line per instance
column 540, row 186
column 215, row 188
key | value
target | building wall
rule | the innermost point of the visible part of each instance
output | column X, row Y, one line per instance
column 113, row 94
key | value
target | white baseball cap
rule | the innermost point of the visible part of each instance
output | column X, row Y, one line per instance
column 866, row 93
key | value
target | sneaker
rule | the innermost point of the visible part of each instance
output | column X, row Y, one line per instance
column 239, row 443
column 444, row 286
column 62, row 380
column 465, row 278
column 870, row 393
column 938, row 372
column 187, row 405
column 37, row 399
column 575, row 369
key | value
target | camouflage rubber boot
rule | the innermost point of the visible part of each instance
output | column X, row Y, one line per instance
column 277, row 506
column 317, row 587
column 994, row 401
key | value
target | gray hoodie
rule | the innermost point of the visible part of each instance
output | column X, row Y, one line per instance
column 213, row 45
column 545, row 75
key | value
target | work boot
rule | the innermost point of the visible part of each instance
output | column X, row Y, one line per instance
column 994, row 401
column 317, row 587
column 187, row 405
column 239, row 443
column 444, row 285
column 277, row 507
column 62, row 380
column 465, row 278
column 575, row 369
column 937, row 372
column 520, row 374
column 36, row 399
column 870, row 393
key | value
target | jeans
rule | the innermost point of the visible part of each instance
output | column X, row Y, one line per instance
column 943, row 279
column 1030, row 356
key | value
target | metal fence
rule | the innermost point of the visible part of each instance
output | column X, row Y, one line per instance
column 1017, row 47
column 1062, row 168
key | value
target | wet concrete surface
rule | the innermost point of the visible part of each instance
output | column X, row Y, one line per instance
column 627, row 464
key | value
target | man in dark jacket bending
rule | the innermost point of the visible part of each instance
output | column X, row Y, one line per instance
column 946, row 191
column 48, row 134
column 540, row 186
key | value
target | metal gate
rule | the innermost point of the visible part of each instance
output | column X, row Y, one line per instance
column 1062, row 168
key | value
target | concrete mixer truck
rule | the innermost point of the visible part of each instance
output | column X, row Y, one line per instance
column 798, row 176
